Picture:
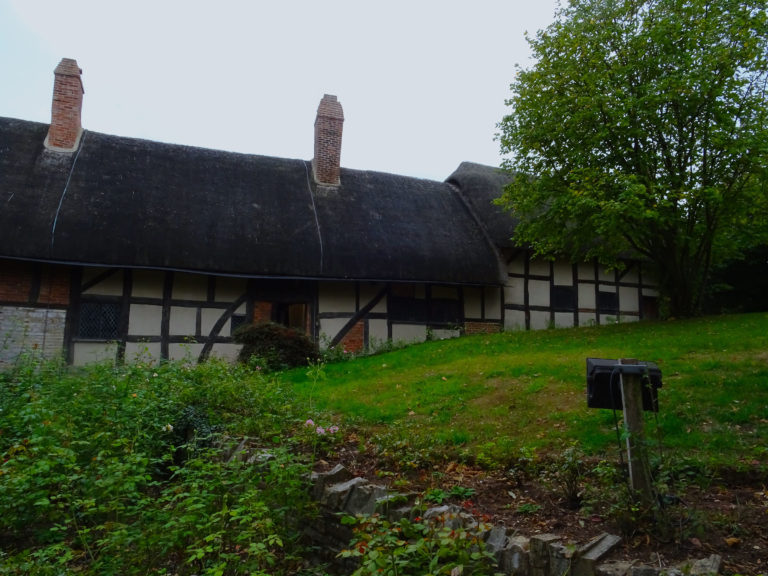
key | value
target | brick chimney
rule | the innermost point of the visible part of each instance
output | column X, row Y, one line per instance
column 328, row 127
column 65, row 129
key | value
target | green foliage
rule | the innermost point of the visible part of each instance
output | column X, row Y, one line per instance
column 272, row 346
column 528, row 508
column 416, row 547
column 438, row 495
column 404, row 446
column 606, row 492
column 566, row 472
column 642, row 129
column 132, row 470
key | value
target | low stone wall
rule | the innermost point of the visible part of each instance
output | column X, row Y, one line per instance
column 340, row 493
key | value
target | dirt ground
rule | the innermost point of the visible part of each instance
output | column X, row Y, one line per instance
column 728, row 516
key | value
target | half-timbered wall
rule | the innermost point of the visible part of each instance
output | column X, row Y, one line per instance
column 358, row 315
column 125, row 314
column 33, row 309
column 542, row 294
column 97, row 314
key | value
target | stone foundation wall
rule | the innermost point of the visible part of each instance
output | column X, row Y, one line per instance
column 340, row 493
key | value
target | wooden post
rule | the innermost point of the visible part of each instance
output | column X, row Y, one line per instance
column 637, row 451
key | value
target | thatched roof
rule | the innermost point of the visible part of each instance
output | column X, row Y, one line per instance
column 135, row 203
column 480, row 185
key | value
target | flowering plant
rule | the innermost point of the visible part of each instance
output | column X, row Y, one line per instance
column 320, row 437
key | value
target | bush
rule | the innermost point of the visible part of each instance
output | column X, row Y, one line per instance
column 416, row 547
column 91, row 481
column 272, row 346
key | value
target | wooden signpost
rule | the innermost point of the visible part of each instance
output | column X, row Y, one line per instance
column 630, row 386
column 637, row 450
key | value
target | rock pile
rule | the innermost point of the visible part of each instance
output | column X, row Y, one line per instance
column 339, row 493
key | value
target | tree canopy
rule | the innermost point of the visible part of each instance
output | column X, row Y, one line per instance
column 642, row 130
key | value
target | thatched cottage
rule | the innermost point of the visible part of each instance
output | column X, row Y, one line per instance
column 118, row 248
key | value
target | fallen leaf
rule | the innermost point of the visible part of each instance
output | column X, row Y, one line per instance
column 733, row 542
column 696, row 542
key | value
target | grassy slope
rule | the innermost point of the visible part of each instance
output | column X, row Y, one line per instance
column 498, row 394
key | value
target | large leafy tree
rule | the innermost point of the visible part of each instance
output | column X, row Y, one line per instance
column 642, row 130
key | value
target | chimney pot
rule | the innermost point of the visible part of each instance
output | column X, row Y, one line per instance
column 66, row 107
column 328, row 129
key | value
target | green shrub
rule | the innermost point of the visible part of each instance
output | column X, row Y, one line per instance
column 130, row 470
column 272, row 346
column 416, row 547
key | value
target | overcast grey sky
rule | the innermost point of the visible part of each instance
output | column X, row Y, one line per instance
column 422, row 83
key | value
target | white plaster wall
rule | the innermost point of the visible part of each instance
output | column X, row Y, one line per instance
column 587, row 319
column 538, row 293
column 145, row 320
column 187, row 352
column 377, row 332
column 538, row 267
column 628, row 299
column 226, row 351
column 229, row 289
column 514, row 291
column 473, row 302
column 606, row 275
column 409, row 333
column 368, row 293
column 329, row 327
column 514, row 320
column 586, row 271
column 111, row 286
column 539, row 320
column 37, row 330
column 147, row 284
column 190, row 287
column 563, row 319
column 492, row 303
column 587, row 296
column 142, row 352
column 444, row 334
column 517, row 266
column 183, row 321
column 209, row 317
column 336, row 297
column 90, row 352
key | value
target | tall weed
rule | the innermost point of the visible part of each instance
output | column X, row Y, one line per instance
column 130, row 470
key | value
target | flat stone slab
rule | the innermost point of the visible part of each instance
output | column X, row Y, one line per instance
column 335, row 496
column 706, row 566
column 363, row 499
column 613, row 568
column 588, row 555
column 322, row 479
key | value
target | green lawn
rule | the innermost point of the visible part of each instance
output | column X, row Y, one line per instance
column 496, row 395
